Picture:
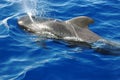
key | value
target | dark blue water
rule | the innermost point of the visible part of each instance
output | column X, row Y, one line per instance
column 23, row 58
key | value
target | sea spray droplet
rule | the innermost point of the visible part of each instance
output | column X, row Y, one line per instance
column 30, row 6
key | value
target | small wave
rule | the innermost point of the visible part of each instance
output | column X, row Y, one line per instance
column 4, row 27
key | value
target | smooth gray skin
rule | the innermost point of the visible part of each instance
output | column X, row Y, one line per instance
column 74, row 31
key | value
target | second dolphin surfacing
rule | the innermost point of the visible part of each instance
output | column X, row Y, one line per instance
column 74, row 31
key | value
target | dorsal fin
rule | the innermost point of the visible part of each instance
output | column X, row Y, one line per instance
column 82, row 21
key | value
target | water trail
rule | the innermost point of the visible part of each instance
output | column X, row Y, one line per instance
column 4, row 23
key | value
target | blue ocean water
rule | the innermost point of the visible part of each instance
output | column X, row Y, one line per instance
column 23, row 58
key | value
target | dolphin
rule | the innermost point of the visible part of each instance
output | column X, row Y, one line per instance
column 74, row 31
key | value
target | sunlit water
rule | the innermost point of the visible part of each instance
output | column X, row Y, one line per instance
column 23, row 58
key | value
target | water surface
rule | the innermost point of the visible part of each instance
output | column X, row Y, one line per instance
column 23, row 58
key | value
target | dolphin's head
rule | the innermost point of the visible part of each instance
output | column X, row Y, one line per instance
column 44, row 27
column 25, row 21
column 30, row 23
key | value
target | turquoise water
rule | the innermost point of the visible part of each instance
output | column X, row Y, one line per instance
column 23, row 58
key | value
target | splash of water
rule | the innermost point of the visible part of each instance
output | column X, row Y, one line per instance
column 34, row 7
column 30, row 7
